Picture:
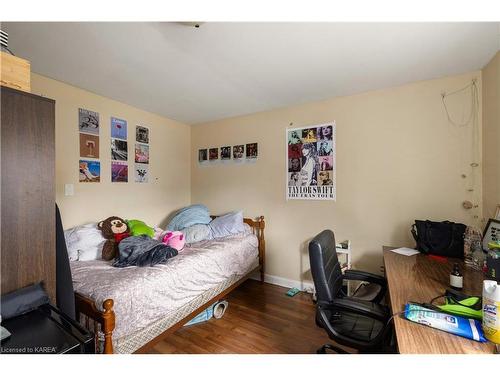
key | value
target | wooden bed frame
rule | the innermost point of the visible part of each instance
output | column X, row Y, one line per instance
column 87, row 308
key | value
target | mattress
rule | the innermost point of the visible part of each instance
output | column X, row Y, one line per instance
column 159, row 296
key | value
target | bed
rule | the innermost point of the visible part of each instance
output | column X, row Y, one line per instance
column 131, row 309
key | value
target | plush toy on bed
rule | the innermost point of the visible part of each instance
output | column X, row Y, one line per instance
column 113, row 229
column 175, row 240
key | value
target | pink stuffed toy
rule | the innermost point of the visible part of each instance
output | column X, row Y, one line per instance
column 175, row 240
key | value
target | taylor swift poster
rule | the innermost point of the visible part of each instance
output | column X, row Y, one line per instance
column 310, row 159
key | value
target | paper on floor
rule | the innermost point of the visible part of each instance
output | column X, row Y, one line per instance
column 405, row 251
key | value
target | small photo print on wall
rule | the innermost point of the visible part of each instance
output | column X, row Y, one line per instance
column 225, row 154
column 119, row 150
column 252, row 152
column 89, row 171
column 141, row 153
column 118, row 128
column 141, row 134
column 213, row 154
column 89, row 146
column 119, row 172
column 141, row 173
column 88, row 121
column 202, row 156
column 239, row 153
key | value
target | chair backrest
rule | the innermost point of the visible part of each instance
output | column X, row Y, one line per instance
column 64, row 283
column 325, row 266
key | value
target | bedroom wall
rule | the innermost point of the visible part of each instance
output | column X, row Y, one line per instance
column 170, row 182
column 398, row 159
column 491, row 136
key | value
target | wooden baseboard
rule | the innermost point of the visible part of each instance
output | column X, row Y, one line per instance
column 305, row 286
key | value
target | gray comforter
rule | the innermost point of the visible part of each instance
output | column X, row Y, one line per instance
column 143, row 295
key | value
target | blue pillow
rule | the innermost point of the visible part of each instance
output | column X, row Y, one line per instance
column 228, row 224
column 191, row 215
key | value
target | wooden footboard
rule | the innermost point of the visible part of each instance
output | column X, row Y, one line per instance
column 104, row 321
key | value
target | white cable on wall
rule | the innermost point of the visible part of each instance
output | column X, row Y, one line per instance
column 471, row 161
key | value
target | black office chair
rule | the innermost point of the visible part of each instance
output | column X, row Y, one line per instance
column 64, row 283
column 350, row 321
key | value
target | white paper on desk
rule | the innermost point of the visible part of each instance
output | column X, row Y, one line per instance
column 405, row 251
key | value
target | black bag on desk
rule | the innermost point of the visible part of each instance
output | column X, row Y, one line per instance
column 439, row 238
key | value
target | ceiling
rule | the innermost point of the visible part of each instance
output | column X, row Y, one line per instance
column 221, row 70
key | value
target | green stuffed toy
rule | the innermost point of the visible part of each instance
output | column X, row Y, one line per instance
column 139, row 228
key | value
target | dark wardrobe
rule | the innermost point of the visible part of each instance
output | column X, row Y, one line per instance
column 28, row 225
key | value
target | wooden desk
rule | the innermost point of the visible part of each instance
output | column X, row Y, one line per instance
column 419, row 279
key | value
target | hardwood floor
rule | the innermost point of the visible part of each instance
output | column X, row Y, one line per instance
column 260, row 319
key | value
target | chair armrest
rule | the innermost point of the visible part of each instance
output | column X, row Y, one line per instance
column 368, row 277
column 365, row 308
column 365, row 276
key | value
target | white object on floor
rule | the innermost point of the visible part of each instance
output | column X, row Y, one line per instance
column 406, row 251
column 220, row 308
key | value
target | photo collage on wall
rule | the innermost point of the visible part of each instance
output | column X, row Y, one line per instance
column 310, row 162
column 141, row 168
column 89, row 165
column 229, row 154
column 119, row 150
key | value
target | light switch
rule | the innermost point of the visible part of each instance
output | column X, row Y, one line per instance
column 69, row 190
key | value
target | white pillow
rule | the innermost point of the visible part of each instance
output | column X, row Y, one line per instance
column 84, row 242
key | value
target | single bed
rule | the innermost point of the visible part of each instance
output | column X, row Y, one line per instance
column 131, row 309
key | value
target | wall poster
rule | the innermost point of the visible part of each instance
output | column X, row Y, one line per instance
column 89, row 146
column 88, row 121
column 141, row 173
column 90, row 171
column 225, row 154
column 238, row 153
column 310, row 161
column 119, row 172
column 213, row 154
column 202, row 156
column 119, row 149
column 141, row 134
column 118, row 128
column 141, row 153
column 252, row 152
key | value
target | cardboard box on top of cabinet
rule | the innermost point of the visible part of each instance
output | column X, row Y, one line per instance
column 15, row 72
